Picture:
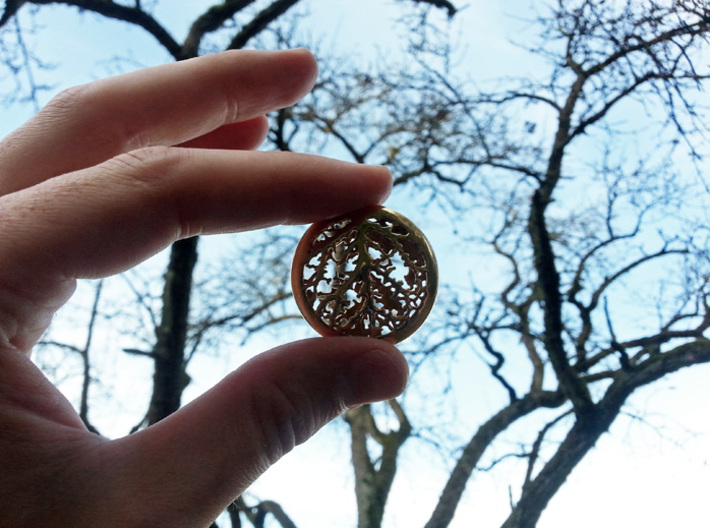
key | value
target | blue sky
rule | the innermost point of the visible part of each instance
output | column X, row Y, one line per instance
column 638, row 475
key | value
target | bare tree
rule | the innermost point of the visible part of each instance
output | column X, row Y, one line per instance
column 243, row 20
column 584, row 227
column 571, row 263
column 84, row 353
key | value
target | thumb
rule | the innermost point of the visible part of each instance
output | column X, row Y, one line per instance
column 203, row 456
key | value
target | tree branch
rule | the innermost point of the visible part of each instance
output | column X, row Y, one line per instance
column 453, row 490
column 257, row 514
column 698, row 28
column 211, row 20
column 534, row 454
column 586, row 310
column 580, row 128
column 514, row 95
column 132, row 15
column 373, row 483
column 549, row 284
column 260, row 22
column 11, row 9
column 442, row 4
column 86, row 378
column 590, row 426
column 498, row 365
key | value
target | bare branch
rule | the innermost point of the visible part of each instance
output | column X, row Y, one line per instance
column 211, row 20
column 372, row 482
column 534, row 454
column 497, row 366
column 515, row 95
column 86, row 381
column 549, row 282
column 132, row 15
column 84, row 353
column 590, row 426
column 137, row 352
column 260, row 22
column 442, row 4
column 22, row 63
column 451, row 495
column 11, row 9
column 258, row 513
column 699, row 27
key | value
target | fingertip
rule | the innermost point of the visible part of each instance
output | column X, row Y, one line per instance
column 376, row 182
column 387, row 182
column 295, row 72
column 307, row 62
column 334, row 188
column 378, row 374
column 219, row 443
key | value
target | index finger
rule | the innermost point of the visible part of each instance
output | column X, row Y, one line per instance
column 107, row 218
column 164, row 105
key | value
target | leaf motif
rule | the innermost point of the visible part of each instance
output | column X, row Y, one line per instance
column 371, row 273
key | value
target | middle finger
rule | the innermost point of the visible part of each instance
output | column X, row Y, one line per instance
column 164, row 105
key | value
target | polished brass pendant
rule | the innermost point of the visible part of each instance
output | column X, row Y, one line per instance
column 370, row 273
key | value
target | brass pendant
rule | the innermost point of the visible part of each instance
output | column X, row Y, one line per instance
column 370, row 273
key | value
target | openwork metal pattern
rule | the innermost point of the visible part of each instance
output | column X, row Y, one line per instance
column 369, row 273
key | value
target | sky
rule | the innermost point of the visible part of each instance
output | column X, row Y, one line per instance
column 654, row 474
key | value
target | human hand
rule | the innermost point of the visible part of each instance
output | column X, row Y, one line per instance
column 105, row 176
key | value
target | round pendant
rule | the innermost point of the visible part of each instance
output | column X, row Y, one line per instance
column 368, row 273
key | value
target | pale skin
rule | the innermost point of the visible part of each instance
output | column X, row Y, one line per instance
column 104, row 177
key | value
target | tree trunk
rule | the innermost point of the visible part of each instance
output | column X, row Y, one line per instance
column 450, row 497
column 372, row 482
column 170, row 377
column 592, row 424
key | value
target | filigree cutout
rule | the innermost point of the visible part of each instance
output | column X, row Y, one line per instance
column 369, row 273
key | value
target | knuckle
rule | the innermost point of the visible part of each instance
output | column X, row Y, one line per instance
column 153, row 177
column 67, row 100
column 94, row 106
column 147, row 165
